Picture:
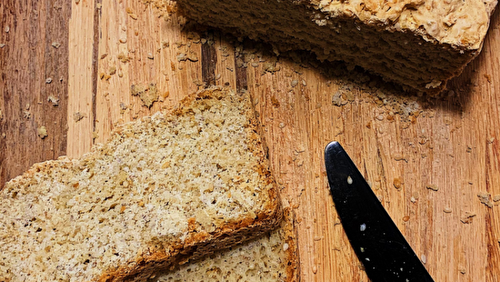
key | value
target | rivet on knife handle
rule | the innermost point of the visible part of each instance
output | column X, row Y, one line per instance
column 376, row 240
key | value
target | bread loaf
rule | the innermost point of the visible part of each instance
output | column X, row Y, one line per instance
column 161, row 190
column 270, row 258
column 417, row 43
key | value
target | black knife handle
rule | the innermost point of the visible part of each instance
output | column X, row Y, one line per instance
column 376, row 240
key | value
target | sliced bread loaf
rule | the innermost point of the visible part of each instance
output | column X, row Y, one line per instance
column 161, row 190
column 270, row 258
column 420, row 44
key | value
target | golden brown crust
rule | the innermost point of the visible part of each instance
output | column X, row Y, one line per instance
column 419, row 44
column 197, row 245
column 198, row 242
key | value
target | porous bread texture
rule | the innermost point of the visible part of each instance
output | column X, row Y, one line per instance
column 419, row 44
column 161, row 190
column 270, row 258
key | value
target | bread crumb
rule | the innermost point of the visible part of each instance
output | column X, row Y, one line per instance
column 165, row 95
column 26, row 114
column 397, row 183
column 2, row 45
column 3, row 135
column 192, row 56
column 484, row 198
column 496, row 198
column 150, row 56
column 467, row 218
column 1, row 115
column 131, row 13
column 123, row 58
column 123, row 108
column 488, row 77
column 123, row 40
column 271, row 67
column 42, row 132
column 423, row 259
column 56, row 45
column 400, row 157
column 432, row 187
column 95, row 135
column 53, row 100
column 275, row 102
column 78, row 116
column 112, row 70
column 491, row 140
column 315, row 269
column 148, row 95
column 339, row 99
column 406, row 218
column 7, row 29
column 413, row 199
column 447, row 210
column 48, row 80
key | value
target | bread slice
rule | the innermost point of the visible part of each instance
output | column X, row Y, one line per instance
column 270, row 258
column 417, row 43
column 161, row 190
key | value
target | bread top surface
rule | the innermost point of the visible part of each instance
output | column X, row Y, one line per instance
column 461, row 24
column 169, row 180
column 270, row 258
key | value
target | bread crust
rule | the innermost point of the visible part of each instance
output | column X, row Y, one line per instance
column 419, row 44
column 197, row 243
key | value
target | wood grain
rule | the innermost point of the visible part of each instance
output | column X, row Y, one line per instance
column 33, row 67
column 407, row 147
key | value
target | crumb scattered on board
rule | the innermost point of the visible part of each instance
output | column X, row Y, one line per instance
column 78, row 116
column 164, row 7
column 53, row 100
column 147, row 94
column 123, row 58
column 432, row 187
column 131, row 13
column 467, row 218
column 485, row 199
column 397, row 183
column 42, row 132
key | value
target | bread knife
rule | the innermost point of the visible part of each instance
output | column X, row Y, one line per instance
column 375, row 238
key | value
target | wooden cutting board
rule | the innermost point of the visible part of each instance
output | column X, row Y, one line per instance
column 67, row 68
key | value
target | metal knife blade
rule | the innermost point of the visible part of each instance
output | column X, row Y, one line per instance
column 375, row 238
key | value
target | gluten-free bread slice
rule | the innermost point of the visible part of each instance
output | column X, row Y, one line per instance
column 161, row 190
column 272, row 257
column 417, row 43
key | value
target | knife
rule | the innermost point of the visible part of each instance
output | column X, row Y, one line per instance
column 376, row 240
